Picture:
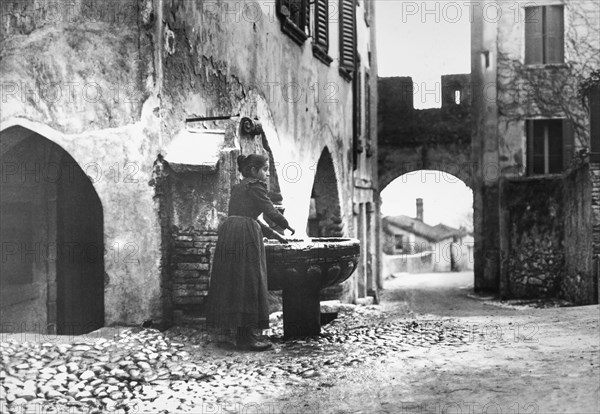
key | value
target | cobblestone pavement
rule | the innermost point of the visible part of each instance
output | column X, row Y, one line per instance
column 180, row 370
column 370, row 359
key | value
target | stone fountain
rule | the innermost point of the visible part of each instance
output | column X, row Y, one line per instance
column 301, row 269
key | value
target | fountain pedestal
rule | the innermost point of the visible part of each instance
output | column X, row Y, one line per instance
column 301, row 269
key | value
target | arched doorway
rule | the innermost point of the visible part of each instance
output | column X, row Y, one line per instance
column 324, row 219
column 51, row 233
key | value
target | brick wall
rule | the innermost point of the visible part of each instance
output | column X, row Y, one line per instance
column 190, row 260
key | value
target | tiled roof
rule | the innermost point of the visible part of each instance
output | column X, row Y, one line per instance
column 417, row 227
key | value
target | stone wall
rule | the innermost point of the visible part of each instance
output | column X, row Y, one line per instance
column 533, row 229
column 411, row 140
column 595, row 179
column 578, row 284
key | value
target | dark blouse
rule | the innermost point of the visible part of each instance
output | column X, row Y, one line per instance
column 249, row 199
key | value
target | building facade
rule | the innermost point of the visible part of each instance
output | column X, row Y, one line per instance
column 120, row 126
column 534, row 179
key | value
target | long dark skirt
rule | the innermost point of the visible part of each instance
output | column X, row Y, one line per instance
column 237, row 296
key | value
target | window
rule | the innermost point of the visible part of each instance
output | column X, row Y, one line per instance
column 398, row 242
column 347, row 38
column 321, row 31
column 544, row 35
column 549, row 145
column 294, row 15
column 457, row 97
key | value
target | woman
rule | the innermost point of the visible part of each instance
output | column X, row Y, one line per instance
column 237, row 298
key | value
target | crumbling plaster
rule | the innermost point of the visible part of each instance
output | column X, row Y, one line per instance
column 86, row 83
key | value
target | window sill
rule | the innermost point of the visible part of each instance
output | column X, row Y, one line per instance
column 532, row 177
column 288, row 27
column 321, row 54
column 536, row 66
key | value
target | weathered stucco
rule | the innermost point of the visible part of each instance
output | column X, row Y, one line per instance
column 112, row 83
column 84, row 81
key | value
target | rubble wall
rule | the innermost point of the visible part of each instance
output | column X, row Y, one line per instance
column 533, row 255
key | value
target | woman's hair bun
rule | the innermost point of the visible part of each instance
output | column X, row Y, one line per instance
column 241, row 161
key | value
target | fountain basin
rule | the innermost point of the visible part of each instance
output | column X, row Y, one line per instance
column 301, row 268
column 324, row 261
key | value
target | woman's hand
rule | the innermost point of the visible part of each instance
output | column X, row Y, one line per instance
column 281, row 239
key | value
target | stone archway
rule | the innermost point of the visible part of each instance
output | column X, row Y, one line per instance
column 450, row 159
column 51, row 233
column 413, row 241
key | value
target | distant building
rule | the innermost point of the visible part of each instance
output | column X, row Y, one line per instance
column 411, row 245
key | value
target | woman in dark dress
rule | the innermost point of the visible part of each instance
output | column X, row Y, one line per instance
column 237, row 298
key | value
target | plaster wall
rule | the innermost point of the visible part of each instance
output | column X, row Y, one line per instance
column 84, row 79
column 113, row 82
column 225, row 58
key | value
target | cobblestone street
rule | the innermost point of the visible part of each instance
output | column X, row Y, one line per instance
column 428, row 347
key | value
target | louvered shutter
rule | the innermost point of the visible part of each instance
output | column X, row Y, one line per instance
column 534, row 47
column 321, row 34
column 347, row 36
column 554, row 34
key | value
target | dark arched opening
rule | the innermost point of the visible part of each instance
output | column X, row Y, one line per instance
column 324, row 218
column 325, row 215
column 51, row 233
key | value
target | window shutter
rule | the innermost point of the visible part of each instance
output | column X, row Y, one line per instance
column 554, row 40
column 321, row 35
column 529, row 131
column 347, row 40
column 594, row 100
column 294, row 15
column 568, row 142
column 533, row 35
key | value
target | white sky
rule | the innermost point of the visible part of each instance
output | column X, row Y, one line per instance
column 446, row 199
column 424, row 40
